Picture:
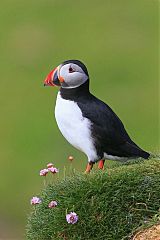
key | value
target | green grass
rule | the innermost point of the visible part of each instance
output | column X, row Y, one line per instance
column 111, row 205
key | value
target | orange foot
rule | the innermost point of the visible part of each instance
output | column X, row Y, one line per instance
column 101, row 164
column 89, row 167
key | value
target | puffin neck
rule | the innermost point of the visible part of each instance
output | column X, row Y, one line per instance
column 74, row 93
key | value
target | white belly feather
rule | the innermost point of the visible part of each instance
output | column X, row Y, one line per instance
column 74, row 127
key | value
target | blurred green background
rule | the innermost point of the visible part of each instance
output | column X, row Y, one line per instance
column 117, row 40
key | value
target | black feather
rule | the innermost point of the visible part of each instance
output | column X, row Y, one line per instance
column 107, row 129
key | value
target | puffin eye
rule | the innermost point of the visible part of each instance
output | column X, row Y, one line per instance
column 71, row 70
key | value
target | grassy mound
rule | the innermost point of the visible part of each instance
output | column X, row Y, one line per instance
column 111, row 204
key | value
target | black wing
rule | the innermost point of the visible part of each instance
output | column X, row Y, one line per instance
column 108, row 131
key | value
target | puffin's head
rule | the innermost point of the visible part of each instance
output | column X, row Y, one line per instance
column 69, row 74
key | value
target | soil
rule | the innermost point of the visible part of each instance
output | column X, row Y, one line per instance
column 152, row 233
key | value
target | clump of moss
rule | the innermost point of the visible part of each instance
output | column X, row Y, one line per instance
column 110, row 205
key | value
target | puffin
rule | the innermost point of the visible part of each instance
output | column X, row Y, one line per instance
column 86, row 122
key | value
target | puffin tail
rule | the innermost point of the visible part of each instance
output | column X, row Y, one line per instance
column 134, row 151
column 144, row 154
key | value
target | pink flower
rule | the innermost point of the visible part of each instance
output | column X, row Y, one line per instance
column 43, row 172
column 53, row 170
column 72, row 217
column 71, row 158
column 52, row 204
column 35, row 200
column 49, row 165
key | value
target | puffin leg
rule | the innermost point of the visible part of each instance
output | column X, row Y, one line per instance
column 101, row 164
column 89, row 167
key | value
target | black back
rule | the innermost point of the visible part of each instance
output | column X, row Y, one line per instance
column 107, row 129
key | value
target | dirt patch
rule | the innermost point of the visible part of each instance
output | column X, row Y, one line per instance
column 152, row 233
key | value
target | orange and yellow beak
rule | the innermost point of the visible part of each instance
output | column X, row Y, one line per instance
column 53, row 78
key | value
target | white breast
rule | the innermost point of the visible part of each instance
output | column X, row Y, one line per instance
column 74, row 127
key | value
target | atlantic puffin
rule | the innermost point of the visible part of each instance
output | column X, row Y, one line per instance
column 86, row 122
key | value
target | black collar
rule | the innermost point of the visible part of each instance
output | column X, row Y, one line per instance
column 75, row 93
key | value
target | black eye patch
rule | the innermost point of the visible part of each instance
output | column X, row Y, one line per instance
column 71, row 70
column 77, row 62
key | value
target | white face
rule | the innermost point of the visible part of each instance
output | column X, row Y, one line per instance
column 73, row 75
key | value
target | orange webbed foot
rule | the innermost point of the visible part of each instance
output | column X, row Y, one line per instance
column 89, row 167
column 101, row 164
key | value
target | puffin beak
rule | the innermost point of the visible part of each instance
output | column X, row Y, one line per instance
column 52, row 79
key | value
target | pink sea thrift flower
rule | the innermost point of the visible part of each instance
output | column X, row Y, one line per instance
column 72, row 218
column 49, row 165
column 53, row 170
column 71, row 158
column 43, row 172
column 35, row 200
column 52, row 204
